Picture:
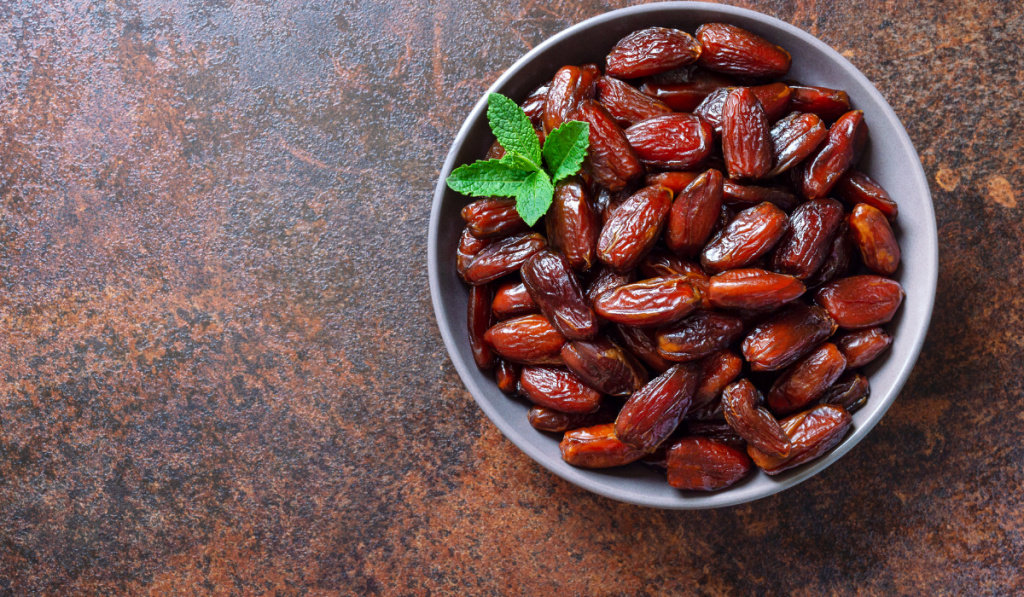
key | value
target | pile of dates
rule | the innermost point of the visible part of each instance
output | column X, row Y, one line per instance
column 703, row 295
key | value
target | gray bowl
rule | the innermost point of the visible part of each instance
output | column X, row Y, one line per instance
column 890, row 159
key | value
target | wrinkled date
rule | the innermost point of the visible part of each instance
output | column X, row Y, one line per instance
column 860, row 301
column 864, row 346
column 534, row 105
column 745, row 141
column 694, row 213
column 745, row 196
column 653, row 413
column 698, row 336
column 607, row 279
column 554, row 288
column 490, row 218
column 875, row 240
column 774, row 99
column 613, row 160
column 506, row 376
column 558, row 389
column 735, row 51
column 841, row 150
column 782, row 339
column 811, row 434
column 851, row 392
column 718, row 430
column 652, row 51
column 839, row 257
column 469, row 246
column 604, row 366
column 673, row 141
column 703, row 464
column 512, row 300
column 750, row 235
column 753, row 289
column 572, row 225
column 649, row 303
column 793, row 139
column 855, row 187
column 502, row 257
column 597, row 447
column 805, row 245
column 626, row 104
column 529, row 340
column 720, row 370
column 548, row 419
column 674, row 181
column 634, row 228
column 741, row 404
column 643, row 346
column 570, row 87
column 480, row 320
column 807, row 379
column 827, row 103
column 659, row 263
column 685, row 93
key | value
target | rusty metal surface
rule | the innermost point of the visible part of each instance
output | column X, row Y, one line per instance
column 219, row 368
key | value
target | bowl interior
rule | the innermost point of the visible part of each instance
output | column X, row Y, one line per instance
column 890, row 159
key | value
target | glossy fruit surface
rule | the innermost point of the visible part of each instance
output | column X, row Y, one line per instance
column 652, row 51
column 730, row 49
column 782, row 339
column 597, row 447
column 703, row 464
column 551, row 283
column 673, row 141
column 861, row 302
column 651, row 415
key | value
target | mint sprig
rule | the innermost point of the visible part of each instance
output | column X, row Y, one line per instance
column 524, row 172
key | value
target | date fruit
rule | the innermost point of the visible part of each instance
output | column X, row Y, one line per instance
column 850, row 392
column 572, row 225
column 741, row 403
column 597, row 447
column 860, row 302
column 548, row 419
column 469, row 246
column 838, row 260
column 534, row 105
column 652, row 51
column 675, row 181
column 634, row 228
column 512, row 300
column 753, row 289
column 570, row 87
column 613, row 160
column 750, row 235
column 811, row 433
column 698, row 336
column 793, row 139
column 642, row 346
column 807, row 379
column 805, row 245
column 503, row 257
column 626, row 104
column 506, row 376
column 720, row 369
column 684, row 93
column 492, row 218
column 874, row 239
column 528, row 340
column 559, row 389
column 694, row 214
column 827, row 103
column 782, row 339
column 729, row 49
column 552, row 285
column 604, row 366
column 745, row 141
column 672, row 142
column 480, row 320
column 841, row 150
column 703, row 464
column 744, row 196
column 607, row 279
column 718, row 430
column 649, row 303
column 864, row 346
column 660, row 263
column 651, row 415
column 855, row 187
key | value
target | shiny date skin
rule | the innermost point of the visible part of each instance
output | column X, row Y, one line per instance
column 811, row 433
column 597, row 447
column 784, row 338
column 744, row 196
column 649, row 303
column 503, row 257
column 863, row 346
column 626, row 104
column 559, row 389
column 572, row 225
column 839, row 258
column 634, row 228
column 805, row 245
column 840, row 151
column 613, row 160
column 660, row 263
column 829, row 104
column 741, row 403
column 684, row 89
column 553, row 286
column 794, row 138
column 856, row 187
column 651, row 415
column 506, row 376
column 703, row 464
column 874, row 239
column 851, row 392
column 492, row 218
column 570, row 87
column 672, row 142
column 527, row 340
column 774, row 99
column 859, row 302
column 513, row 300
column 718, row 430
column 698, row 336
column 694, row 213
column 604, row 366
column 750, row 235
column 753, row 289
column 675, row 181
column 807, row 379
column 480, row 320
column 735, row 51
column 534, row 105
column 651, row 51
column 641, row 345
column 745, row 141
column 469, row 246
column 719, row 370
column 607, row 279
column 547, row 419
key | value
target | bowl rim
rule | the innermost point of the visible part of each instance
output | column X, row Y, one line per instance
column 713, row 499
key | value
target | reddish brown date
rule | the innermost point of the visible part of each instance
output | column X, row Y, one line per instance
column 605, row 280
column 774, row 99
column 805, row 245
column 703, row 464
column 718, row 430
column 672, row 142
column 634, row 228
column 807, row 379
column 698, row 336
column 660, row 263
column 572, row 225
column 855, row 187
column 782, row 339
column 613, row 161
column 675, row 181
column 741, row 404
column 793, row 139
column 694, row 213
column 874, row 239
column 502, row 257
column 604, row 366
column 597, row 447
column 744, row 196
column 729, row 49
column 552, row 285
column 850, row 392
column 839, row 258
column 529, row 340
column 642, row 346
column 469, row 246
column 827, row 103
column 811, row 433
column 570, row 87
column 491, row 218
column 548, row 419
column 686, row 88
column 513, row 300
column 750, row 235
column 720, row 369
column 558, row 389
column 651, row 415
column 745, row 141
column 626, row 104
column 649, row 303
column 840, row 151
column 860, row 302
column 864, row 346
column 652, row 51
column 534, row 105
column 480, row 320
column 506, row 376
column 753, row 289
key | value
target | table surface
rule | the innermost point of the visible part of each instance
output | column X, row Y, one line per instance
column 220, row 372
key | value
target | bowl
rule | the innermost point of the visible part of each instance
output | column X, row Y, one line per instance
column 890, row 159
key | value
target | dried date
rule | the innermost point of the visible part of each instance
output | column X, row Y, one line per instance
column 649, row 303
column 572, row 225
column 642, row 346
column 549, row 419
column 634, row 228
column 613, row 160
column 513, row 300
column 703, row 464
column 805, row 245
column 856, row 187
column 735, row 51
column 841, row 150
column 558, row 389
column 698, row 336
column 626, row 104
column 784, row 338
column 694, row 214
column 528, row 340
column 651, row 415
column 604, row 366
column 745, row 141
column 741, row 404
column 860, row 302
column 753, row 289
column 569, row 88
column 750, row 235
column 597, row 447
column 807, row 379
column 502, row 257
column 811, row 433
column 874, row 239
column 552, row 285
column 493, row 218
column 851, row 392
column 480, row 320
column 672, row 142
column 827, row 103
column 794, row 138
column 863, row 346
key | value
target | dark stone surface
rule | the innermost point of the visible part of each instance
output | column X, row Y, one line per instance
column 219, row 368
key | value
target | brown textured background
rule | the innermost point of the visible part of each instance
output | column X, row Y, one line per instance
column 219, row 368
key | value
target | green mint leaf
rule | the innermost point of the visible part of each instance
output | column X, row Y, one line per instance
column 516, row 160
column 565, row 148
column 512, row 128
column 535, row 197
column 486, row 178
